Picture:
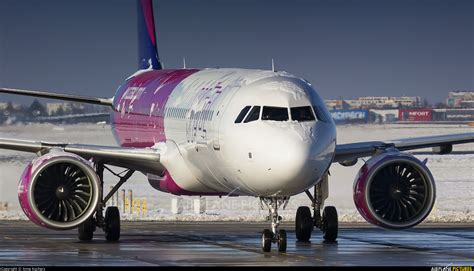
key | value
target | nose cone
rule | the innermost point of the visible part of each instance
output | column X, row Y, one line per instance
column 288, row 165
column 285, row 158
column 278, row 156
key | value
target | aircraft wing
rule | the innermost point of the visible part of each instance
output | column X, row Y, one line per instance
column 351, row 151
column 58, row 96
column 145, row 160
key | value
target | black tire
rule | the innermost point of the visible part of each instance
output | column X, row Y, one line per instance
column 303, row 224
column 267, row 236
column 281, row 241
column 112, row 224
column 86, row 230
column 330, row 223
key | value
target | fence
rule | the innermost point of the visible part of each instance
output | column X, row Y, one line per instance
column 128, row 204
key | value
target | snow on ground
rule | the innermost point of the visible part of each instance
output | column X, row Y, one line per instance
column 454, row 175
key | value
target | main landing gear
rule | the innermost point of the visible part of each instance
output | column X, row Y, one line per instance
column 274, row 235
column 327, row 223
column 111, row 222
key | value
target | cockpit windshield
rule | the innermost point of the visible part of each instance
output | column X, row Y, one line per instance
column 302, row 113
column 242, row 114
column 321, row 114
column 253, row 115
column 275, row 113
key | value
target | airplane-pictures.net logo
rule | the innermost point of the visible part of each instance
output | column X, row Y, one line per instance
column 452, row 268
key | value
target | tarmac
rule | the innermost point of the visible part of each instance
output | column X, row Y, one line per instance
column 236, row 244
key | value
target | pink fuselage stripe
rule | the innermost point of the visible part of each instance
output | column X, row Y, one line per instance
column 169, row 185
column 139, row 112
column 139, row 107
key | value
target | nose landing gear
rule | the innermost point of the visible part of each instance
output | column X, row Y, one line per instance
column 274, row 235
column 327, row 223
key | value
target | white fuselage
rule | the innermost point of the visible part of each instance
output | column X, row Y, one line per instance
column 205, row 151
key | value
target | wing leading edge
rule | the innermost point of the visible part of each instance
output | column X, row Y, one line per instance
column 58, row 96
column 351, row 151
column 146, row 160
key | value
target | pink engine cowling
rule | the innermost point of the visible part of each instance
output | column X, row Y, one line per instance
column 394, row 190
column 59, row 190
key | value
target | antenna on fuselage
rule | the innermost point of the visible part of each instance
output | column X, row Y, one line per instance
column 273, row 66
column 184, row 63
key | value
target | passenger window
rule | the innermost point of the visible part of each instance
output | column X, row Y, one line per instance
column 253, row 115
column 242, row 114
column 275, row 113
column 303, row 113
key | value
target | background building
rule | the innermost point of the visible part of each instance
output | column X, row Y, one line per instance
column 386, row 102
column 460, row 99
column 64, row 108
column 337, row 104
column 375, row 102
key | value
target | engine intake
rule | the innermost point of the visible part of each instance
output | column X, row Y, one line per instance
column 59, row 191
column 394, row 190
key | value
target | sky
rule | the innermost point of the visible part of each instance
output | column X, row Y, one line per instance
column 345, row 48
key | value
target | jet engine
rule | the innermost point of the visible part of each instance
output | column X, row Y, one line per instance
column 394, row 190
column 59, row 190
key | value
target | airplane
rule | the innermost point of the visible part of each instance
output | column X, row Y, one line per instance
column 217, row 132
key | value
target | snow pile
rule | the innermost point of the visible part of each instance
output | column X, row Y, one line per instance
column 13, row 215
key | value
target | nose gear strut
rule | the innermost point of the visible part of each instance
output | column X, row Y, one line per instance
column 274, row 235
